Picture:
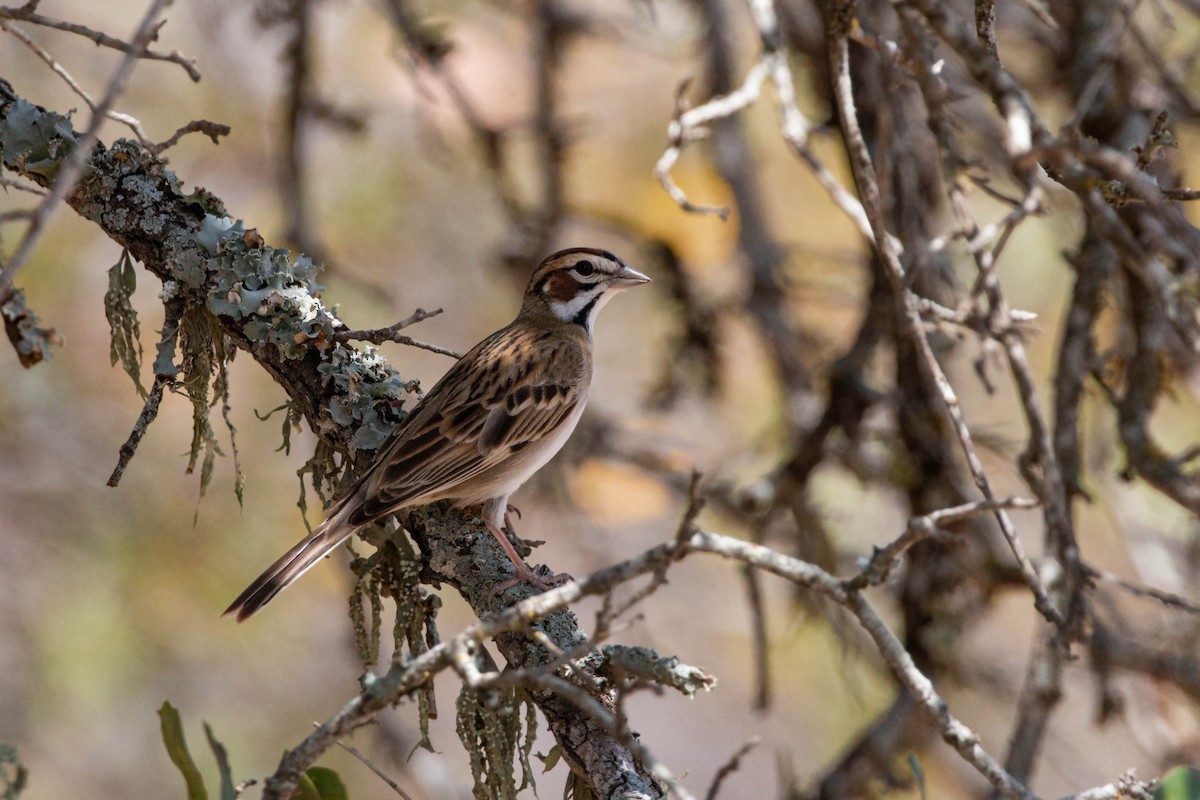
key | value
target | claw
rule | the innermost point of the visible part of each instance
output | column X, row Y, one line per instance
column 524, row 546
column 524, row 573
column 534, row 577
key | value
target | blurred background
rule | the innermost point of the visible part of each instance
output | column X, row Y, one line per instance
column 110, row 598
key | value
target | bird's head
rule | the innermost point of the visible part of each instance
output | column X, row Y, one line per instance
column 574, row 284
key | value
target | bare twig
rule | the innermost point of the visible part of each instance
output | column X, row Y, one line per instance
column 149, row 413
column 728, row 768
column 27, row 14
column 383, row 776
column 1168, row 599
column 9, row 183
column 379, row 335
column 953, row 731
column 392, row 334
column 922, row 527
column 861, row 163
column 213, row 130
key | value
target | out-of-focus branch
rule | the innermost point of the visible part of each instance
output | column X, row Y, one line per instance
column 69, row 171
column 26, row 13
column 298, row 221
column 922, row 527
column 211, row 129
column 552, row 27
column 428, row 50
column 840, row 16
column 689, row 124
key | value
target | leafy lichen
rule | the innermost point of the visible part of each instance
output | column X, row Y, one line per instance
column 126, row 344
column 274, row 295
column 33, row 140
column 368, row 394
column 647, row 664
column 489, row 727
column 31, row 340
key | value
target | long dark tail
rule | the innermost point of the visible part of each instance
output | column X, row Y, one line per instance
column 294, row 563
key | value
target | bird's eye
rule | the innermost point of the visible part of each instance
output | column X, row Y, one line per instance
column 584, row 268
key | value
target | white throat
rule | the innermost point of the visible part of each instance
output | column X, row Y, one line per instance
column 583, row 307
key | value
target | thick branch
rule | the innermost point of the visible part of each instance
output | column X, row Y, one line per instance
column 203, row 258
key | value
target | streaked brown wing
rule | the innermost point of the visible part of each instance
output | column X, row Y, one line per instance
column 526, row 385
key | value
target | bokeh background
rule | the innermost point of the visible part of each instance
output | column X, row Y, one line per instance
column 110, row 598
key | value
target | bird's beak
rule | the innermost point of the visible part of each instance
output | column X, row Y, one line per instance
column 626, row 277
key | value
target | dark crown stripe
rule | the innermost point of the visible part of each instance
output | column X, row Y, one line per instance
column 591, row 251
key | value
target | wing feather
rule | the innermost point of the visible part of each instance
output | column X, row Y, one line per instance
column 524, row 388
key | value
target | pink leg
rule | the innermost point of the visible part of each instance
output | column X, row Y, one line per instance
column 524, row 573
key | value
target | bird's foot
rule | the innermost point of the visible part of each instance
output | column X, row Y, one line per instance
column 539, row 578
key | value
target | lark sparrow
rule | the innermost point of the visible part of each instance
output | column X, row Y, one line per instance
column 492, row 421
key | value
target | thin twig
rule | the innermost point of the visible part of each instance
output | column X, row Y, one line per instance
column 72, row 166
column 383, row 776
column 729, row 767
column 148, row 415
column 61, row 71
column 1168, row 599
column 864, row 174
column 26, row 14
column 213, row 130
column 174, row 312
column 953, row 731
column 392, row 334
column 9, row 183
column 922, row 527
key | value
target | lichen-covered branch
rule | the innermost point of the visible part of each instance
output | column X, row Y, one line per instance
column 263, row 300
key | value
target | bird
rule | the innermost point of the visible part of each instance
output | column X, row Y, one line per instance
column 493, row 420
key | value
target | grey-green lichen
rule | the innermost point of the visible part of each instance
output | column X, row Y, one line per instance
column 35, row 141
column 269, row 292
column 24, row 330
column 368, row 393
column 275, row 295
column 490, row 724
column 393, row 568
column 206, row 353
column 647, row 664
column 125, row 345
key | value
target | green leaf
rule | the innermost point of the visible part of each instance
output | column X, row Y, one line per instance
column 228, row 792
column 177, row 749
column 13, row 774
column 550, row 759
column 1181, row 783
column 326, row 783
column 918, row 773
column 306, row 789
